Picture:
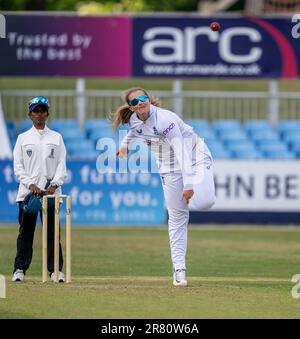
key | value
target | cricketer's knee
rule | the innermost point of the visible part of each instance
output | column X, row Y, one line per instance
column 204, row 203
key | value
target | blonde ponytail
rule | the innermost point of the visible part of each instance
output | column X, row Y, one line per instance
column 155, row 101
column 121, row 116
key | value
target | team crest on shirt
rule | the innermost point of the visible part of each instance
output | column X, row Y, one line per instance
column 29, row 152
column 51, row 155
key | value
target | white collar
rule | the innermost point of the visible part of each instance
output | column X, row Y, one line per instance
column 39, row 131
column 152, row 111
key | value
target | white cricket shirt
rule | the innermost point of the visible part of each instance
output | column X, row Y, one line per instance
column 39, row 155
column 176, row 147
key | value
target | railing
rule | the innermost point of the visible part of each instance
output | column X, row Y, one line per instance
column 189, row 104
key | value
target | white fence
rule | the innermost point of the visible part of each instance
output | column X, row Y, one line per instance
column 190, row 104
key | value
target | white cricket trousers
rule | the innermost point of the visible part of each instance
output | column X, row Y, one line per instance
column 178, row 210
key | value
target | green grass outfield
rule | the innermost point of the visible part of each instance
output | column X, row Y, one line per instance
column 56, row 83
column 126, row 273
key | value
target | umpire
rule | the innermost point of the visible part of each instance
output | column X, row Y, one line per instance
column 39, row 165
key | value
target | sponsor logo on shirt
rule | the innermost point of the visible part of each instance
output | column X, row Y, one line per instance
column 139, row 131
column 29, row 152
column 155, row 131
column 168, row 129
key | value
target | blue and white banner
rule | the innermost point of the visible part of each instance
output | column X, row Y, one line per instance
column 257, row 186
column 100, row 199
column 243, row 188
column 173, row 46
column 244, row 47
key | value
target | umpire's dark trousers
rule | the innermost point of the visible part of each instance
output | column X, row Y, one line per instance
column 25, row 240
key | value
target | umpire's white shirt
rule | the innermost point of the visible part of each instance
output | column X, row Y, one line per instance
column 39, row 155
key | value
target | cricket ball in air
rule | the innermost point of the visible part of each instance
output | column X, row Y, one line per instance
column 215, row 26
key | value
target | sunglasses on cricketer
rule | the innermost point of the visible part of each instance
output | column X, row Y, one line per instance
column 137, row 99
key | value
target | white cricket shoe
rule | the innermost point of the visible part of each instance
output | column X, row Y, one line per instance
column 61, row 277
column 179, row 278
column 18, row 275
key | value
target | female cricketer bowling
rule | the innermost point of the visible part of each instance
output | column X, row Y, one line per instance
column 183, row 161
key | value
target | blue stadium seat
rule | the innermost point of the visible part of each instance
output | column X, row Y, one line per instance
column 259, row 136
column 12, row 133
column 122, row 127
column 84, row 155
column 243, row 145
column 24, row 125
column 92, row 125
column 10, row 125
column 288, row 134
column 252, row 126
column 72, row 135
column 229, row 137
column 61, row 124
column 295, row 146
column 274, row 150
column 287, row 126
column 244, row 150
column 278, row 154
column 12, row 142
column 292, row 139
column 213, row 143
column 225, row 125
column 218, row 150
column 246, row 154
column 102, row 133
column 227, row 133
column 121, row 131
column 221, row 153
column 271, row 144
column 75, row 147
column 88, row 155
column 296, row 150
column 199, row 125
column 207, row 135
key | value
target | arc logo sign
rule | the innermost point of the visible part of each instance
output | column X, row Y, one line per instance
column 295, row 28
column 242, row 48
